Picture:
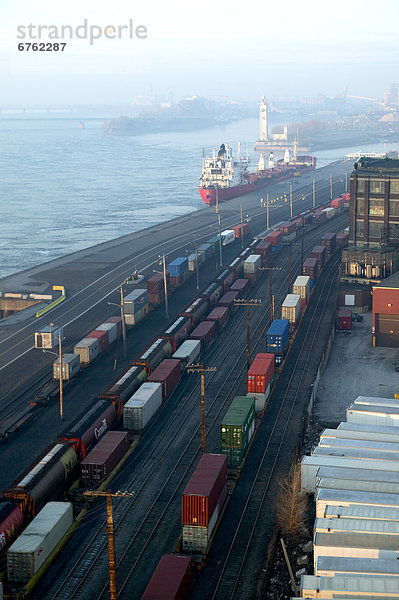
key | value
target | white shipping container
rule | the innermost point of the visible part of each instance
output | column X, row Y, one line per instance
column 302, row 286
column 30, row 550
column 354, row 434
column 373, row 415
column 355, row 545
column 376, row 455
column 331, row 566
column 291, row 308
column 355, row 443
column 112, row 329
column 260, row 399
column 326, row 497
column 188, row 351
column 88, row 349
column 330, row 211
column 389, row 429
column 134, row 318
column 368, row 512
column 355, row 485
column 357, row 474
column 228, row 236
column 325, row 525
column 352, row 587
column 372, row 401
column 142, row 406
column 252, row 264
column 48, row 336
column 70, row 366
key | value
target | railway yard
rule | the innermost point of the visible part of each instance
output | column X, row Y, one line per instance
column 148, row 524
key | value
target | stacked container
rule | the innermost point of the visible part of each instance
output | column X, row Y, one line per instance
column 171, row 579
column 251, row 267
column 330, row 211
column 70, row 366
column 264, row 248
column 237, row 428
column 188, row 352
column 102, row 337
column 319, row 252
column 156, row 288
column 228, row 299
column 168, row 374
column 48, row 336
column 310, row 268
column 28, row 553
column 178, row 270
column 277, row 338
column 241, row 230
column 344, row 319
column 260, row 379
column 142, row 406
column 88, row 350
column 288, row 230
column 275, row 238
column 228, row 236
column 111, row 329
column 342, row 240
column 329, row 240
column 104, row 457
column 205, row 332
column 219, row 314
column 136, row 306
column 202, row 502
column 319, row 216
column 240, row 286
column 206, row 250
column 302, row 287
column 291, row 310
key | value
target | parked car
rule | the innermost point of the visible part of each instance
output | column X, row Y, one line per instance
column 356, row 317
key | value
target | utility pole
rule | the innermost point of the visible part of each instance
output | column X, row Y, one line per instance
column 199, row 368
column 291, row 212
column 219, row 229
column 271, row 300
column 123, row 325
column 196, row 262
column 110, row 532
column 346, row 183
column 267, row 210
column 314, row 193
column 242, row 230
column 248, row 303
column 331, row 186
column 162, row 261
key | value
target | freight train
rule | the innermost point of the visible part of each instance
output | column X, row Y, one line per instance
column 55, row 470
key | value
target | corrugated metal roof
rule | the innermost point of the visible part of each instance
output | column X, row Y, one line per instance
column 371, row 526
column 360, row 585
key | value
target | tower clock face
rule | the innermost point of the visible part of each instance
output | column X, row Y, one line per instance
column 263, row 110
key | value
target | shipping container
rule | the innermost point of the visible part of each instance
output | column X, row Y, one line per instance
column 228, row 236
column 178, row 280
column 240, row 286
column 215, row 243
column 44, row 480
column 264, row 248
column 117, row 321
column 334, row 443
column 360, row 587
column 102, row 337
column 275, row 238
column 171, row 579
column 177, row 332
column 197, row 309
column 375, row 513
column 302, row 286
column 331, row 566
column 48, row 336
column 188, row 352
column 88, row 350
column 11, row 522
column 32, row 548
column 104, row 457
column 160, row 349
column 373, row 415
column 330, row 211
column 207, row 250
column 356, row 485
column 205, row 332
column 326, row 497
column 156, row 284
column 133, row 302
column 291, row 308
column 344, row 320
column 204, row 490
column 228, row 298
column 140, row 314
column 241, row 230
column 355, row 545
column 375, row 527
column 178, row 266
column 342, row 240
column 112, row 330
column 168, row 374
column 226, row 278
column 192, row 262
column 310, row 268
column 142, row 406
column 260, row 378
column 212, row 293
column 288, row 230
column 125, row 386
column 252, row 264
column 70, row 366
column 237, row 428
column 311, row 464
column 87, row 430
column 155, row 299
column 319, row 252
column 219, row 314
column 277, row 337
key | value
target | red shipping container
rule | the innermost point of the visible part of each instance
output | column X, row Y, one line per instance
column 329, row 241
column 219, row 314
column 237, row 230
column 168, row 374
column 155, row 282
column 171, row 579
column 176, row 282
column 303, row 303
column 240, row 285
column 228, row 298
column 342, row 240
column 104, row 457
column 260, row 373
column 319, row 252
column 205, row 332
column 264, row 248
column 118, row 321
column 102, row 337
column 310, row 267
column 275, row 238
column 155, row 299
column 288, row 228
column 202, row 493
column 11, row 521
column 345, row 319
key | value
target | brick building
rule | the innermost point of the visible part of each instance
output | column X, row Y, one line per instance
column 385, row 324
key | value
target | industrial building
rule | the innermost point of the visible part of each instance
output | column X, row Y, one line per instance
column 385, row 321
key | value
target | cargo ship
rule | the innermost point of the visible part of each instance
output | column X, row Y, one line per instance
column 225, row 177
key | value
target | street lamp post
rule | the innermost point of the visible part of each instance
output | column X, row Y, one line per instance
column 162, row 261
column 122, row 307
column 59, row 356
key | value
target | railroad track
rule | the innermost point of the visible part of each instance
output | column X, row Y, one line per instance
column 139, row 542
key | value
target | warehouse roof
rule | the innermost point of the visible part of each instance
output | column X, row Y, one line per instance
column 390, row 282
column 376, row 166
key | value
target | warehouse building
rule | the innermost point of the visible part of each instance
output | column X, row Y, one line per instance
column 385, row 323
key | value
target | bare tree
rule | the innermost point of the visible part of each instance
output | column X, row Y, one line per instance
column 291, row 503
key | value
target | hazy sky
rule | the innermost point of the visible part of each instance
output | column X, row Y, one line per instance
column 235, row 49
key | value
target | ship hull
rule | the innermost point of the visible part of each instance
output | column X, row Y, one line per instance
column 223, row 194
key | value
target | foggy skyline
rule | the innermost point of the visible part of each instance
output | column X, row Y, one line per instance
column 240, row 50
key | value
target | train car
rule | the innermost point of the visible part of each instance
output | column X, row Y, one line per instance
column 142, row 406
column 44, row 480
column 125, row 386
column 104, row 457
column 236, row 429
column 168, row 374
column 228, row 236
column 240, row 286
column 196, row 311
column 228, row 299
column 206, row 250
column 11, row 522
column 212, row 293
column 219, row 314
column 88, row 350
column 70, row 367
column 85, row 432
column 264, row 248
column 171, row 579
column 160, row 349
column 329, row 240
column 177, row 332
column 275, row 238
column 319, row 252
column 236, row 266
column 241, row 230
column 288, row 231
column 310, row 268
column 205, row 332
column 226, row 278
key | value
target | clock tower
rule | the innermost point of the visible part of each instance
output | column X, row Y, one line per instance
column 263, row 120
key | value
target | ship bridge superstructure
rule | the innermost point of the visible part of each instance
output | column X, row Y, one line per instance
column 223, row 170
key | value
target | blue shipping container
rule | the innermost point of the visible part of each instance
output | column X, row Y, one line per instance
column 311, row 283
column 276, row 248
column 135, row 300
column 277, row 336
column 178, row 266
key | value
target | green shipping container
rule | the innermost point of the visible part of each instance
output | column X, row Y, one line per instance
column 234, row 456
column 238, row 423
column 214, row 242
